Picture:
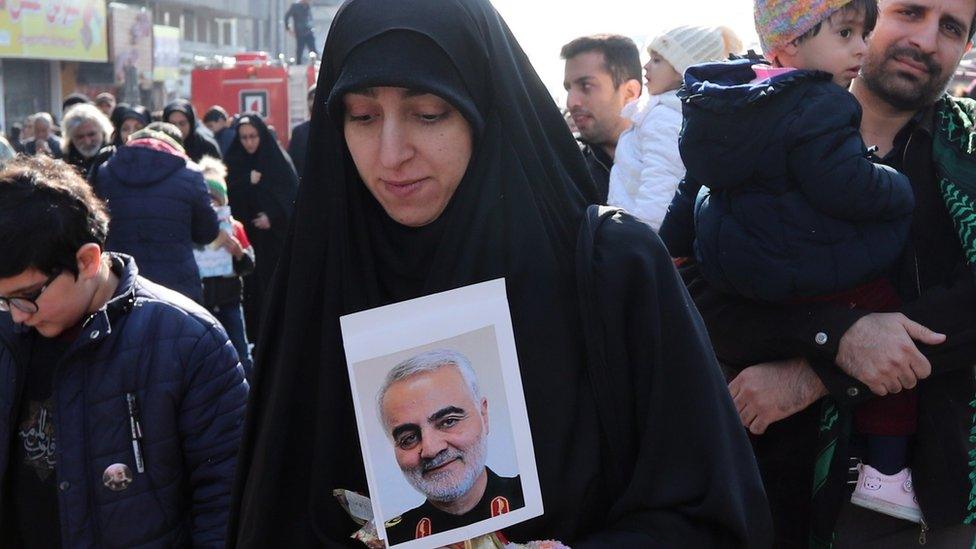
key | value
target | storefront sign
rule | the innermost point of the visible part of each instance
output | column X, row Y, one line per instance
column 131, row 46
column 71, row 30
column 166, row 53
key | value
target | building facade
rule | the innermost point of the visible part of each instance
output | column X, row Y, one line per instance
column 143, row 51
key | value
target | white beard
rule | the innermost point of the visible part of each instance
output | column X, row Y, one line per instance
column 448, row 487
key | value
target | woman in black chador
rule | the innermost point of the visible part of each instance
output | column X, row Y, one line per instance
column 437, row 159
column 261, row 186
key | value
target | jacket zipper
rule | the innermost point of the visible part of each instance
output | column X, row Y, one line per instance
column 923, row 528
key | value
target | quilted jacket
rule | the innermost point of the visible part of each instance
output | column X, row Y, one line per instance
column 794, row 207
column 176, row 359
column 160, row 208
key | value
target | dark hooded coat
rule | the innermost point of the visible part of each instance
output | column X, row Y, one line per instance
column 274, row 195
column 795, row 207
column 198, row 143
column 689, row 478
column 160, row 209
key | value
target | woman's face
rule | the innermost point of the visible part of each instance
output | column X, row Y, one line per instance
column 411, row 149
column 249, row 136
column 129, row 127
column 180, row 120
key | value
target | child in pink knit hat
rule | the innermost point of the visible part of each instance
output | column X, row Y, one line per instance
column 825, row 35
column 797, row 211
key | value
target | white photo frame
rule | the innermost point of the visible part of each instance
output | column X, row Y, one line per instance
column 476, row 322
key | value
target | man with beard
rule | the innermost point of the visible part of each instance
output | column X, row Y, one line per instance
column 797, row 354
column 603, row 73
column 434, row 413
column 84, row 131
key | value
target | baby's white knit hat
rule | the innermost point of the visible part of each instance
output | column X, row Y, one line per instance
column 686, row 46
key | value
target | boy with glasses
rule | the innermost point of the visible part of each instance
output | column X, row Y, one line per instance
column 121, row 401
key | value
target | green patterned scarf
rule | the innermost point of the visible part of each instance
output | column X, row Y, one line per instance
column 954, row 151
column 829, row 472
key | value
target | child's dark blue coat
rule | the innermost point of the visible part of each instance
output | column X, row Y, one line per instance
column 793, row 207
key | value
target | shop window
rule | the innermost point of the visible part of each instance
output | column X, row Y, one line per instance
column 26, row 88
column 202, row 25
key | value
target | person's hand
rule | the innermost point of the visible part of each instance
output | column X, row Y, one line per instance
column 769, row 392
column 43, row 147
column 262, row 222
column 255, row 177
column 879, row 351
column 221, row 241
column 232, row 245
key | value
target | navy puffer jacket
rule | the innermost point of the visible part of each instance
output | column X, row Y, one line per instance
column 160, row 208
column 794, row 207
column 177, row 360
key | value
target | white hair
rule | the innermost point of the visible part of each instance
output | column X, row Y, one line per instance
column 428, row 362
column 43, row 117
column 81, row 114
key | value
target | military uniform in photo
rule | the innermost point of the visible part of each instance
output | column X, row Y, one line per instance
column 502, row 495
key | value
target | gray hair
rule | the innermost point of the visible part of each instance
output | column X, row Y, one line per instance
column 428, row 362
column 81, row 114
column 43, row 117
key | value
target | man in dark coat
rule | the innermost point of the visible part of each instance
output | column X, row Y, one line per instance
column 160, row 208
column 298, row 146
column 603, row 73
column 788, row 357
column 217, row 121
column 43, row 142
column 298, row 22
column 196, row 143
column 85, row 132
column 122, row 415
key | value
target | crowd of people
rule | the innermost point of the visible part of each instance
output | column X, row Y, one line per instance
column 140, row 176
column 743, row 293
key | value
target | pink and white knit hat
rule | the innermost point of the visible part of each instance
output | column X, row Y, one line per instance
column 779, row 22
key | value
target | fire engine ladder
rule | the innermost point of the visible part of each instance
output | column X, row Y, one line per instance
column 297, row 89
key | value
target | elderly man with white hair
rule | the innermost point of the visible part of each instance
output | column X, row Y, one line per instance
column 43, row 142
column 434, row 413
column 85, row 130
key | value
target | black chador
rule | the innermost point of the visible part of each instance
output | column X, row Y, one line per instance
column 671, row 466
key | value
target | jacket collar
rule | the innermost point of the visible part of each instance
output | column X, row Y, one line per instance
column 98, row 325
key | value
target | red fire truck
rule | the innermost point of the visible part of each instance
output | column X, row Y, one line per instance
column 254, row 83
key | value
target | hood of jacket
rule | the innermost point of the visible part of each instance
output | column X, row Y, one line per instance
column 143, row 167
column 729, row 119
column 636, row 111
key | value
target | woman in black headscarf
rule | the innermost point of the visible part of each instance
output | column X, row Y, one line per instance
column 197, row 143
column 261, row 185
column 128, row 119
column 672, row 468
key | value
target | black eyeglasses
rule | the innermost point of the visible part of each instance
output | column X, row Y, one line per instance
column 26, row 303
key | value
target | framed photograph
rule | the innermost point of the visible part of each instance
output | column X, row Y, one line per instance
column 441, row 415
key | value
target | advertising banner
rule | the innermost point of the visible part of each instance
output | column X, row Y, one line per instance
column 131, row 46
column 70, row 30
column 166, row 53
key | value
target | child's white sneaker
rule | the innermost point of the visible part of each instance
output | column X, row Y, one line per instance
column 889, row 494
